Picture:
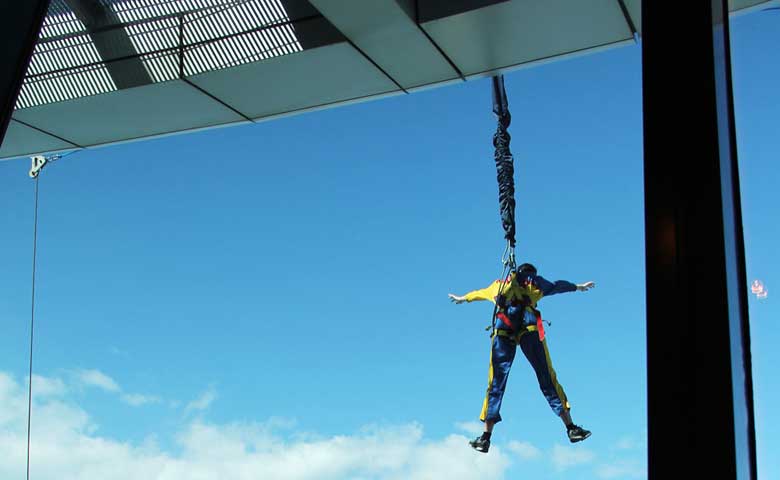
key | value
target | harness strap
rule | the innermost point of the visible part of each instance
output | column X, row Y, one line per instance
column 504, row 319
column 538, row 328
column 539, row 324
column 515, row 337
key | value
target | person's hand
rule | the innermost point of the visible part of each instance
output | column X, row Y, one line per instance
column 456, row 299
column 585, row 286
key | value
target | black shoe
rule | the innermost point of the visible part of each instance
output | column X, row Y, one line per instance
column 480, row 444
column 577, row 433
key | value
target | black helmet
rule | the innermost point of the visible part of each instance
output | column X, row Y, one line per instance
column 526, row 268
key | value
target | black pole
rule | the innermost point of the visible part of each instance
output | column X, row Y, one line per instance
column 20, row 25
column 700, row 408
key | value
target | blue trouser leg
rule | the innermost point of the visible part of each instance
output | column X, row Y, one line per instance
column 539, row 357
column 502, row 353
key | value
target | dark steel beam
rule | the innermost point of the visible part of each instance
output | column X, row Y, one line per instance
column 700, row 417
column 112, row 41
column 20, row 25
column 217, row 99
column 312, row 29
column 629, row 21
column 428, row 10
column 412, row 9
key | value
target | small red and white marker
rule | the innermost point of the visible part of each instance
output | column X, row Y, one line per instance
column 758, row 289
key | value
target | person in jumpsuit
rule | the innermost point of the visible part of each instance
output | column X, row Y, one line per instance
column 518, row 322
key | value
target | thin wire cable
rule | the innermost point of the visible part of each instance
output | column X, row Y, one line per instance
column 32, row 325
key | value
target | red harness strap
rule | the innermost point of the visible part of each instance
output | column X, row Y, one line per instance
column 539, row 324
column 505, row 320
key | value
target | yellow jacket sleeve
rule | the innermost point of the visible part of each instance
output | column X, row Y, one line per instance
column 487, row 293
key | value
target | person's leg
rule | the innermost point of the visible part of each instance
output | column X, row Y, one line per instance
column 502, row 353
column 482, row 442
column 566, row 417
column 539, row 357
column 489, row 426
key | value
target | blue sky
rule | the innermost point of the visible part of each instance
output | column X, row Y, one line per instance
column 229, row 302
column 756, row 66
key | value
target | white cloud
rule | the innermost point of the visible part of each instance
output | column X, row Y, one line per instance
column 622, row 469
column 137, row 400
column 203, row 401
column 567, row 457
column 472, row 428
column 47, row 387
column 631, row 443
column 66, row 447
column 96, row 378
column 524, row 450
column 626, row 443
column 13, row 400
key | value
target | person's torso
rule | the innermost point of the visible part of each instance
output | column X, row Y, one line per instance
column 522, row 299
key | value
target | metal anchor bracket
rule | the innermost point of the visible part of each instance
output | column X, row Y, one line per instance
column 40, row 161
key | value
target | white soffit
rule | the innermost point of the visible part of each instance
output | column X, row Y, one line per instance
column 518, row 32
column 21, row 140
column 129, row 114
column 389, row 36
column 302, row 80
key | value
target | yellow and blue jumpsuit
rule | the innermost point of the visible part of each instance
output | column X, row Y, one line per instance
column 520, row 323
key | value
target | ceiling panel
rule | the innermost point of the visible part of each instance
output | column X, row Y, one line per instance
column 521, row 31
column 21, row 140
column 386, row 33
column 298, row 81
column 736, row 6
column 131, row 113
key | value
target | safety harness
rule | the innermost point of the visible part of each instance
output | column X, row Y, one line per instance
column 515, row 337
column 529, row 296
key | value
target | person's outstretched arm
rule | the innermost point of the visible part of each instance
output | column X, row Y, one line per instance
column 561, row 286
column 487, row 293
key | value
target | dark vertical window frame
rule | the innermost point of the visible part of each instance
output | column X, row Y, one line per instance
column 700, row 412
column 736, row 277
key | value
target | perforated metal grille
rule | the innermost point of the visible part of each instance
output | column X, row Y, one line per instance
column 65, row 65
column 170, row 38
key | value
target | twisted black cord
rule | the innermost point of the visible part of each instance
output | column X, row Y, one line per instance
column 505, row 171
